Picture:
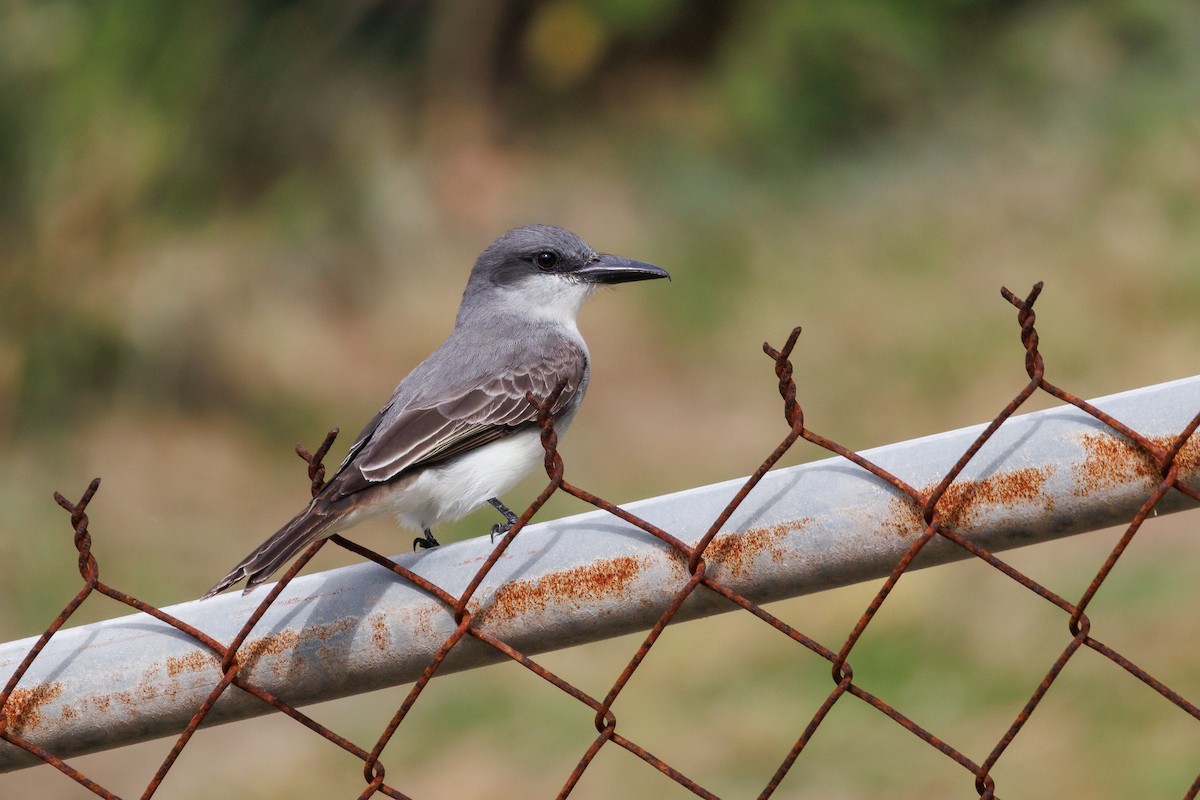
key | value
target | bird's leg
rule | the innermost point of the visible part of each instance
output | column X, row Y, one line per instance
column 426, row 542
column 510, row 519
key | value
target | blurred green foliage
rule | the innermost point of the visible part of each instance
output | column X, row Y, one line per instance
column 126, row 121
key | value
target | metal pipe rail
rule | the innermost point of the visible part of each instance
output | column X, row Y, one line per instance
column 803, row 529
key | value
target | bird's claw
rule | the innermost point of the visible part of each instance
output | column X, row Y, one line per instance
column 425, row 542
column 500, row 528
column 510, row 519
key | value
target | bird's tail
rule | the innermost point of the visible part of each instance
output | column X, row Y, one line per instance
column 305, row 528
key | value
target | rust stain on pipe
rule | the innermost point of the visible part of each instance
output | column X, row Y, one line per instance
column 381, row 638
column 289, row 639
column 737, row 553
column 24, row 707
column 608, row 578
column 196, row 661
column 1188, row 458
column 1111, row 460
column 903, row 518
column 964, row 500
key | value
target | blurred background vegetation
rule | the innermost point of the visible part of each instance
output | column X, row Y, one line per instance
column 229, row 226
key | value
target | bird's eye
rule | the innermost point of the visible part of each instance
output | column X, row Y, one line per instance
column 545, row 259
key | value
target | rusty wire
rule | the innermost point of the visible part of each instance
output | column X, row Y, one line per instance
column 1164, row 455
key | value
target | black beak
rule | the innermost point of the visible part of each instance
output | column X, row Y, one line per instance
column 614, row 269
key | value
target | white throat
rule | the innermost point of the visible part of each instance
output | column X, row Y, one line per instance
column 547, row 298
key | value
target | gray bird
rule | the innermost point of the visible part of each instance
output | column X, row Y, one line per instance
column 459, row 431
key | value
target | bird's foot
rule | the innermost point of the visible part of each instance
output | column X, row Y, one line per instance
column 510, row 519
column 425, row 542
column 500, row 528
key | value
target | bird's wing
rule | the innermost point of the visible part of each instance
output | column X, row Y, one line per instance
column 438, row 425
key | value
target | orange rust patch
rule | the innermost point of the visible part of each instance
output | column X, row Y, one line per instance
column 423, row 620
column 272, row 645
column 289, row 639
column 591, row 582
column 962, row 501
column 1188, row 458
column 195, row 661
column 24, row 706
column 903, row 518
column 1113, row 459
column 380, row 637
column 737, row 552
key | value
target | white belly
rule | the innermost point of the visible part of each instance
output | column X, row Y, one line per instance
column 451, row 491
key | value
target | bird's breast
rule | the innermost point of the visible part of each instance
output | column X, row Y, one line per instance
column 450, row 490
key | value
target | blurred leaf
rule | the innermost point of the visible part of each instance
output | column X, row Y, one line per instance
column 69, row 372
column 638, row 18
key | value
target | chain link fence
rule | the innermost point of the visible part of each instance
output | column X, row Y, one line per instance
column 709, row 574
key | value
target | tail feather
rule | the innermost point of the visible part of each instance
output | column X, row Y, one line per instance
column 304, row 529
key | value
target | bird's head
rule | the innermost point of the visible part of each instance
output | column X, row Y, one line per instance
column 546, row 273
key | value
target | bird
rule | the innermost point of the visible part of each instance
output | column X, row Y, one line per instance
column 459, row 430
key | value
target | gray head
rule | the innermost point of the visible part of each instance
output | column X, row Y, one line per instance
column 545, row 272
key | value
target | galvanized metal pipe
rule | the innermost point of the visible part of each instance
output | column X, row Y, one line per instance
column 803, row 529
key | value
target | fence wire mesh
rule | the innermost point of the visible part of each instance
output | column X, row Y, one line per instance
column 19, row 705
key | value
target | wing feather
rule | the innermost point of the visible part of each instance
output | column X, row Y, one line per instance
column 433, row 428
